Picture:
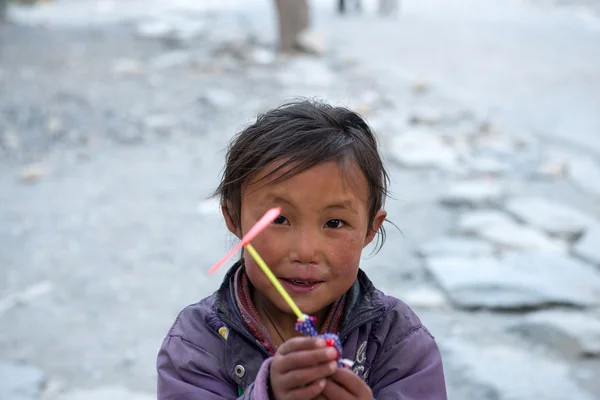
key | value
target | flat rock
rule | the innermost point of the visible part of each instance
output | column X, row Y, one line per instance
column 551, row 170
column 107, row 393
column 554, row 218
column 172, row 26
column 33, row 173
column 425, row 297
column 25, row 296
column 172, row 59
column 154, row 29
column 474, row 194
column 513, row 236
column 497, row 145
column 126, row 66
column 160, row 122
column 486, row 165
column 566, row 331
column 517, row 281
column 437, row 115
column 262, row 56
column 510, row 373
column 307, row 71
column 472, row 222
column 588, row 246
column 423, row 150
column 218, row 98
column 188, row 29
column 20, row 382
column 456, row 246
column 428, row 116
column 585, row 173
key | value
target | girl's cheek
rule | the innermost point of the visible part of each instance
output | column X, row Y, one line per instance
column 347, row 250
column 269, row 245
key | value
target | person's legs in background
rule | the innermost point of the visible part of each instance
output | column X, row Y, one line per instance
column 295, row 33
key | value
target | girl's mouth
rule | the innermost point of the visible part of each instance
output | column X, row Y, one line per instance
column 298, row 286
column 300, row 282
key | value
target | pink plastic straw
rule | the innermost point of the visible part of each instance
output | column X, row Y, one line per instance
column 252, row 233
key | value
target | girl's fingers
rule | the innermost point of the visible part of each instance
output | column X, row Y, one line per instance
column 333, row 390
column 301, row 377
column 350, row 383
column 307, row 392
column 306, row 359
column 300, row 343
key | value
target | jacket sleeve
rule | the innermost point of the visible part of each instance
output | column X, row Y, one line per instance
column 409, row 368
column 189, row 372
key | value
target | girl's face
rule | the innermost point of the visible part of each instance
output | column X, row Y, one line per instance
column 314, row 246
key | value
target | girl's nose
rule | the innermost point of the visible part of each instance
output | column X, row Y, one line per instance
column 304, row 248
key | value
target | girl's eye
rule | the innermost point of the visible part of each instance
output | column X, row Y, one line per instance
column 280, row 220
column 334, row 223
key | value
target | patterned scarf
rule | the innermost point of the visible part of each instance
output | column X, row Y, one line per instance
column 243, row 298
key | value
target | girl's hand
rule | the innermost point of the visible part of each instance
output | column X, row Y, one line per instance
column 346, row 385
column 299, row 368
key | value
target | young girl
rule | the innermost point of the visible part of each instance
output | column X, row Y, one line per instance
column 321, row 166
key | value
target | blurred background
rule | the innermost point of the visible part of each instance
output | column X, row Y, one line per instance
column 114, row 118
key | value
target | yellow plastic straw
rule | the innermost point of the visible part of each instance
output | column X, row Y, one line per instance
column 261, row 263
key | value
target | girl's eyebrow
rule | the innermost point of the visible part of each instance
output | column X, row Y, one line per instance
column 340, row 205
column 273, row 199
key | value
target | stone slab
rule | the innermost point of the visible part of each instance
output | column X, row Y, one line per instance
column 550, row 216
column 516, row 281
column 423, row 149
column 472, row 222
column 513, row 236
column 456, row 245
column 566, row 331
column 509, row 373
column 479, row 193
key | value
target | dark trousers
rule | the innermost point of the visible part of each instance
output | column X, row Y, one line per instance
column 343, row 3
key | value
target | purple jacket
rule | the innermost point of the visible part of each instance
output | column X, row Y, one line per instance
column 209, row 354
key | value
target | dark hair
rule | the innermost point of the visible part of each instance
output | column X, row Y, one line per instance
column 303, row 134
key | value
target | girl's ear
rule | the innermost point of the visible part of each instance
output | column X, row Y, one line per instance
column 229, row 221
column 377, row 222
